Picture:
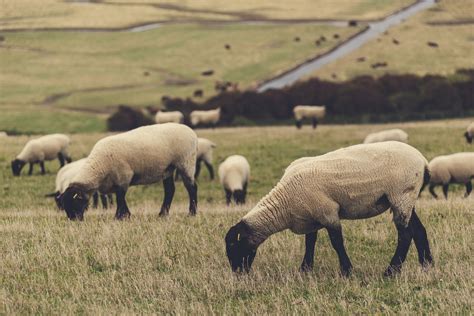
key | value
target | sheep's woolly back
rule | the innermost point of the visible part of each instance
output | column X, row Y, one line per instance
column 234, row 172
column 3, row 134
column 169, row 117
column 395, row 134
column 309, row 111
column 205, row 117
column 144, row 155
column 67, row 173
column 356, row 182
column 455, row 168
column 470, row 130
column 205, row 147
column 44, row 148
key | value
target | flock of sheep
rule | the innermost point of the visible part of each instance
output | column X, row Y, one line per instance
column 356, row 182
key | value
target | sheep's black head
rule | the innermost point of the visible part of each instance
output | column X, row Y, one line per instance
column 75, row 202
column 468, row 137
column 240, row 251
column 17, row 165
column 57, row 198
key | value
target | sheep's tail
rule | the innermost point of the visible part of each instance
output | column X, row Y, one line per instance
column 426, row 179
column 50, row 195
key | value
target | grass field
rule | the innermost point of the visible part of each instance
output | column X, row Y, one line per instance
column 178, row 265
column 412, row 54
column 118, row 14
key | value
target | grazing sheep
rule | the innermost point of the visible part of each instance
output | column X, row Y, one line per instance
column 314, row 112
column 234, row 175
column 198, row 93
column 455, row 168
column 469, row 134
column 3, row 134
column 64, row 177
column 169, row 117
column 38, row 150
column 204, row 154
column 144, row 155
column 210, row 117
column 356, row 182
column 386, row 135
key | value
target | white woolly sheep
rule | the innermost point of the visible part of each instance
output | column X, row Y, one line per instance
column 38, row 150
column 469, row 134
column 3, row 134
column 169, row 117
column 395, row 134
column 234, row 175
column 144, row 155
column 455, row 168
column 313, row 112
column 356, row 182
column 210, row 117
column 204, row 154
column 64, row 178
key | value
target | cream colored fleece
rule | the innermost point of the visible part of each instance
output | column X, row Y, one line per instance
column 144, row 155
column 309, row 111
column 45, row 148
column 348, row 183
column 67, row 173
column 455, row 168
column 205, row 117
column 205, row 148
column 169, row 117
column 234, row 172
column 390, row 134
column 470, row 130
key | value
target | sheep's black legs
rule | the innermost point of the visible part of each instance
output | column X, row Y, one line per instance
column 122, row 208
column 210, row 169
column 41, row 163
column 468, row 189
column 308, row 260
column 228, row 196
column 30, row 170
column 111, row 199
column 198, row 168
column 95, row 200
column 103, row 200
column 337, row 241
column 299, row 124
column 244, row 193
column 168, row 184
column 405, row 236
column 61, row 159
column 433, row 193
column 315, row 123
column 445, row 190
column 421, row 240
column 191, row 187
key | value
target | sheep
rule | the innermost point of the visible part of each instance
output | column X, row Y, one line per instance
column 387, row 135
column 64, row 177
column 356, row 182
column 144, row 155
column 3, row 134
column 234, row 175
column 204, row 154
column 455, row 168
column 469, row 134
column 211, row 117
column 40, row 149
column 169, row 117
column 308, row 111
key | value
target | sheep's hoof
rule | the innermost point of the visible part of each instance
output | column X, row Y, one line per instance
column 163, row 214
column 306, row 267
column 391, row 272
column 123, row 216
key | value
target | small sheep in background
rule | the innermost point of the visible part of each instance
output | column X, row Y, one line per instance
column 42, row 149
column 356, row 182
column 144, row 155
column 395, row 134
column 314, row 112
column 210, row 117
column 234, row 174
column 455, row 168
column 169, row 117
column 3, row 134
column 469, row 134
column 204, row 154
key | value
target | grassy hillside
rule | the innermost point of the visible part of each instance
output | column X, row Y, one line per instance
column 178, row 265
column 448, row 24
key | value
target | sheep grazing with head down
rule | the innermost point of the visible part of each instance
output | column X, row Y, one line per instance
column 455, row 168
column 64, row 178
column 210, row 117
column 469, row 134
column 169, row 117
column 38, row 150
column 395, row 134
column 204, row 154
column 234, row 175
column 313, row 112
column 356, row 182
column 144, row 155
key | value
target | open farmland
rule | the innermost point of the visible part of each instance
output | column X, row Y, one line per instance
column 178, row 265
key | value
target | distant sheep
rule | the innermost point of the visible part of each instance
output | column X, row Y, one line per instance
column 141, row 156
column 455, row 168
column 204, row 154
column 387, row 135
column 234, row 174
column 469, row 134
column 169, row 117
column 198, row 93
column 209, row 117
column 3, row 134
column 313, row 112
column 356, row 182
column 42, row 149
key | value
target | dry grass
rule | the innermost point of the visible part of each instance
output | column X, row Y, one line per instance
column 177, row 265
